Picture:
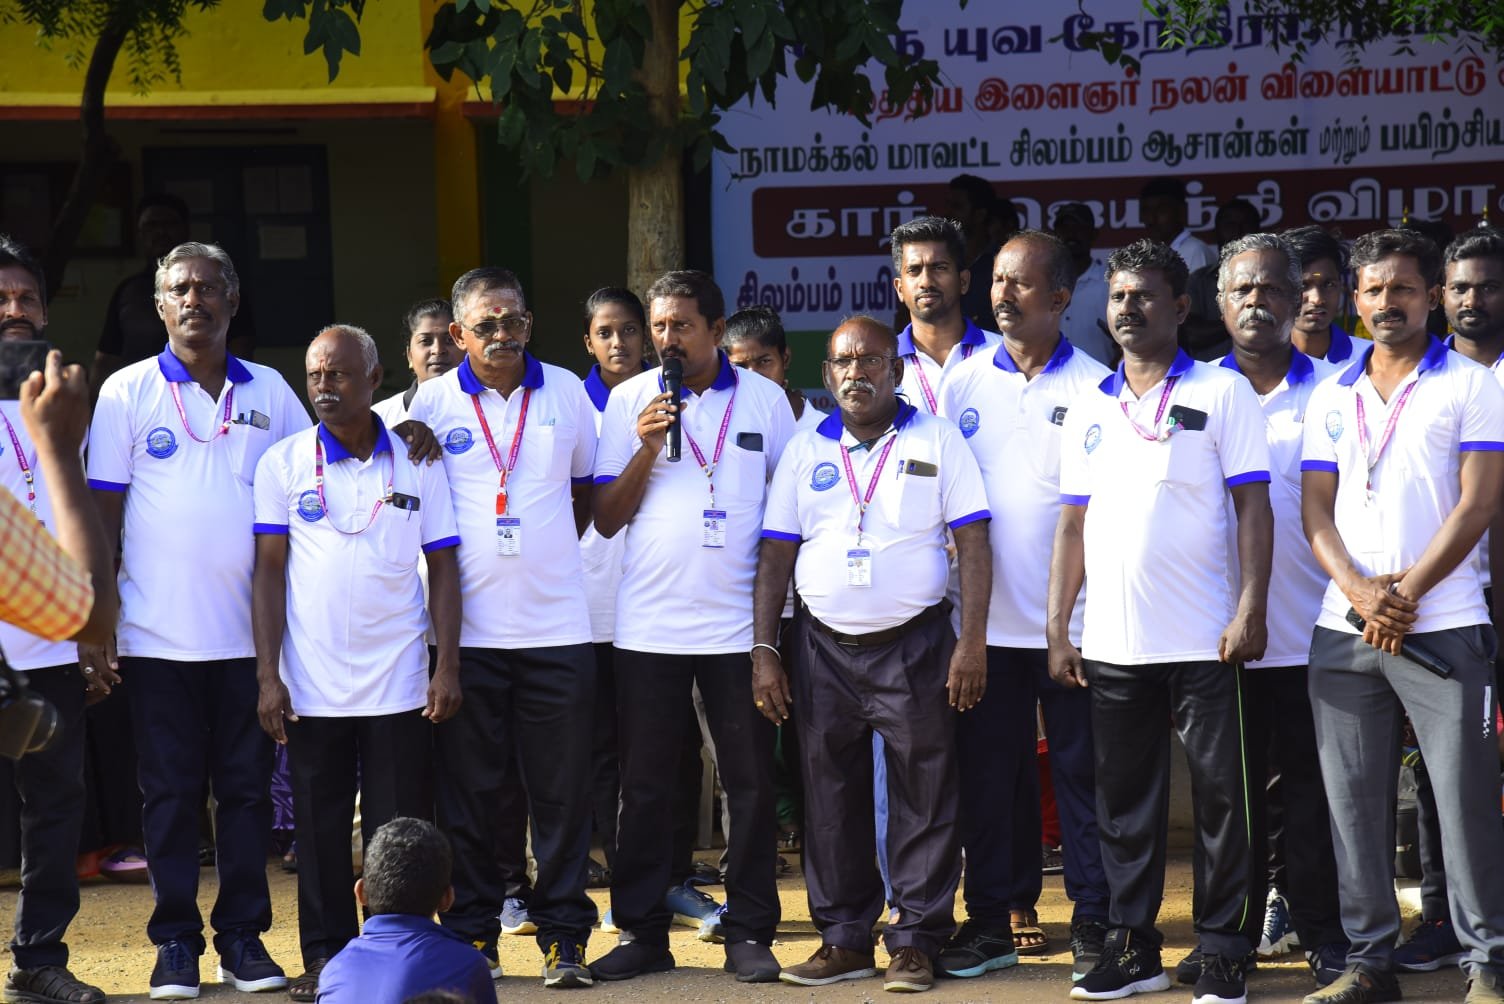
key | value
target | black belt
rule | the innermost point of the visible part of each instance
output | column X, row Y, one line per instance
column 884, row 636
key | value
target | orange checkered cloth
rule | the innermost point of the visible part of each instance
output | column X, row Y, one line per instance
column 42, row 589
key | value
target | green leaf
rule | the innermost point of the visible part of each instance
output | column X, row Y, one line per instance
column 617, row 66
column 752, row 16
column 332, row 53
column 511, row 124
column 760, row 56
column 342, row 31
column 447, row 54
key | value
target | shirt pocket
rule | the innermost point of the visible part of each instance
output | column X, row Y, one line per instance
column 741, row 476
column 550, row 445
column 246, row 445
column 1188, row 458
column 912, row 500
column 396, row 538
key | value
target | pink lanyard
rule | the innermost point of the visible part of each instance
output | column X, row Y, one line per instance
column 318, row 484
column 504, row 471
column 862, row 502
column 924, row 381
column 1164, row 399
column 720, row 442
column 21, row 462
column 224, row 426
column 1389, row 427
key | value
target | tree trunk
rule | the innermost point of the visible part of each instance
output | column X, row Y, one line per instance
column 655, row 211
column 96, row 154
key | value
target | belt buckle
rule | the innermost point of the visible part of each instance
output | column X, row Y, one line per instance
column 848, row 641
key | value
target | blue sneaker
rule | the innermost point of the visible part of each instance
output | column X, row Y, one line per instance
column 175, row 976
column 514, row 918
column 1279, row 934
column 1432, row 945
column 247, row 965
column 693, row 908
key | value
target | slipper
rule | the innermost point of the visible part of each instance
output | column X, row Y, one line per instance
column 1028, row 937
column 127, row 864
column 306, row 987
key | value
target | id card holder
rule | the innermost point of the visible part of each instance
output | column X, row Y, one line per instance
column 508, row 536
column 859, row 568
column 713, row 528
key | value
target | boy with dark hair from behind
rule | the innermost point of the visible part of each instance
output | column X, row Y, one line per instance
column 403, row 952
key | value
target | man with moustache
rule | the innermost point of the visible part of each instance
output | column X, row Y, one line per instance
column 876, row 653
column 1258, row 287
column 692, row 529
column 345, row 685
column 1010, row 405
column 1323, row 268
column 1162, row 467
column 519, row 446
column 1401, row 476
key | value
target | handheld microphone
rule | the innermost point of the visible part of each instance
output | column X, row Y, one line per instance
column 673, row 382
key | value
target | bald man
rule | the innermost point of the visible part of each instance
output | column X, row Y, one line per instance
column 858, row 512
column 341, row 513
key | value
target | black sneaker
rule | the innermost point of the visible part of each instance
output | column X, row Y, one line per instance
column 1125, row 969
column 49, row 985
column 632, row 958
column 175, row 976
column 247, row 965
column 564, row 966
column 1221, row 982
column 1327, row 962
column 1087, row 939
column 1188, row 969
column 976, row 949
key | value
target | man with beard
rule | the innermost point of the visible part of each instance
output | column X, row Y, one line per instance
column 875, row 653
column 1162, row 467
column 1083, row 321
column 1402, row 468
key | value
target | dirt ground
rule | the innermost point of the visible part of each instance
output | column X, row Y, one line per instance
column 110, row 949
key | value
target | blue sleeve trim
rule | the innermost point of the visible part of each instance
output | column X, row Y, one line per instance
column 586, row 480
column 1074, row 499
column 970, row 517
column 280, row 528
column 604, row 479
column 1328, row 466
column 440, row 544
column 107, row 486
column 1481, row 446
column 780, row 535
column 1248, row 477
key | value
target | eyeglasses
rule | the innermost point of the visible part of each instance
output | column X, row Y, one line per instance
column 867, row 364
column 514, row 326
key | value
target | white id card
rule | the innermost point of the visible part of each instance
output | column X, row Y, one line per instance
column 859, row 567
column 713, row 528
column 508, row 536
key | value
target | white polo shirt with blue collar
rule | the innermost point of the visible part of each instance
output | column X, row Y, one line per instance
column 925, row 481
column 1341, row 348
column 677, row 595
column 534, row 598
column 1296, row 579
column 1497, row 369
column 1447, row 406
column 601, row 556
column 354, row 642
column 923, row 377
column 187, row 550
column 1013, row 427
column 1154, row 473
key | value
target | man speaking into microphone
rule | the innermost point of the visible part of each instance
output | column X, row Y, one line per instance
column 693, row 535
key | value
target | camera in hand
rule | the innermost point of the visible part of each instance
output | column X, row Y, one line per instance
column 28, row 722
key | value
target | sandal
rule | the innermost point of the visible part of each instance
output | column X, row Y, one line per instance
column 1028, row 937
column 306, row 987
column 50, row 984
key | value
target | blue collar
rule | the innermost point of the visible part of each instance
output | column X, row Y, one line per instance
column 596, row 388
column 173, row 369
column 1063, row 351
column 1341, row 349
column 971, row 336
column 334, row 450
column 1436, row 355
column 532, row 375
column 402, row 923
column 1301, row 368
column 832, row 426
column 724, row 380
column 1113, row 385
column 1451, row 343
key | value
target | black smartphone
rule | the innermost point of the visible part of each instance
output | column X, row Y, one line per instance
column 1410, row 649
column 1188, row 419
column 19, row 360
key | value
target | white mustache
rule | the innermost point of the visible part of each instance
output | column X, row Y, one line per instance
column 498, row 347
column 850, row 385
column 1259, row 314
column 327, row 399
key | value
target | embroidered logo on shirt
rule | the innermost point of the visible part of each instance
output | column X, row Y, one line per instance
column 309, row 507
column 457, row 441
column 1334, row 424
column 1093, row 438
column 824, row 477
column 969, row 421
column 161, row 443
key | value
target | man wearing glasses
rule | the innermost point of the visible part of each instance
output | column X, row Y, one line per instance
column 858, row 512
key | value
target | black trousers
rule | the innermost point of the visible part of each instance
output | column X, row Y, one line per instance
column 50, row 785
column 535, row 704
column 605, row 769
column 1130, row 707
column 1282, row 733
column 389, row 758
column 511, row 832
column 844, row 694
column 196, row 723
column 655, row 708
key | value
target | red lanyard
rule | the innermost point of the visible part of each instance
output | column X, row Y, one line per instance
column 1164, row 399
column 224, row 426
column 720, row 443
column 924, row 381
column 504, row 470
column 1372, row 461
column 21, row 462
column 862, row 502
column 318, row 484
